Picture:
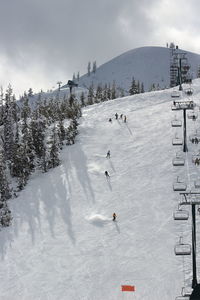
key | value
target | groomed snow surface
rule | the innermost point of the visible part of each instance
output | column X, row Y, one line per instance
column 63, row 243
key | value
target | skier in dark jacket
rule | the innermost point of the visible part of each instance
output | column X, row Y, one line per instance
column 116, row 116
column 106, row 173
column 108, row 154
column 114, row 216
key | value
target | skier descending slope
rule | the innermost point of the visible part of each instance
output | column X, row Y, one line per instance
column 114, row 216
column 108, row 154
column 106, row 173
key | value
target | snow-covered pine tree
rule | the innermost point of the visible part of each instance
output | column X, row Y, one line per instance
column 91, row 95
column 109, row 94
column 54, row 160
column 5, row 193
column 98, row 96
column 1, row 106
column 134, row 89
column 38, row 127
column 142, row 88
column 82, row 99
column 113, row 91
column 104, row 93
column 72, row 131
column 61, row 131
column 8, row 130
column 30, row 92
column 198, row 72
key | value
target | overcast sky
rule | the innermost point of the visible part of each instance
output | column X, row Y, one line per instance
column 43, row 41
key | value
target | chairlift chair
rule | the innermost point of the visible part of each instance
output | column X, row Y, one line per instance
column 188, row 91
column 184, row 295
column 197, row 184
column 182, row 249
column 178, row 160
column 177, row 141
column 181, row 215
column 175, row 94
column 179, row 185
column 176, row 123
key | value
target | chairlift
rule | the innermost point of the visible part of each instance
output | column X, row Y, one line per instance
column 177, row 141
column 188, row 91
column 181, row 214
column 183, row 297
column 176, row 123
column 194, row 138
column 182, row 249
column 192, row 115
column 178, row 160
column 197, row 184
column 175, row 94
column 196, row 159
column 179, row 185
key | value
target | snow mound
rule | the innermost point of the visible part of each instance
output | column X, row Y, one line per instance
column 98, row 220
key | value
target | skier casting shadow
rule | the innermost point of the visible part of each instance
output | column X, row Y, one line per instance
column 108, row 179
column 115, row 221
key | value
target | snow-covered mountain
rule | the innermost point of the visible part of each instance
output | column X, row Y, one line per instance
column 63, row 244
column 147, row 64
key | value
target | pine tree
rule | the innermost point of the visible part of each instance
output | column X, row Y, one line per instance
column 98, row 96
column 30, row 92
column 8, row 135
column 5, row 193
column 105, row 93
column 1, row 106
column 142, row 88
column 82, row 98
column 198, row 72
column 109, row 92
column 90, row 95
column 113, row 91
column 94, row 67
column 134, row 87
column 89, row 68
column 54, row 151
column 78, row 76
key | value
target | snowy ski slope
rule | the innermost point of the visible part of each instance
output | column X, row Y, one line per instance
column 63, row 243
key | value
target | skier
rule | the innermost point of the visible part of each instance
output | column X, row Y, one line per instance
column 110, row 120
column 116, row 116
column 108, row 154
column 106, row 173
column 121, row 116
column 114, row 216
column 124, row 119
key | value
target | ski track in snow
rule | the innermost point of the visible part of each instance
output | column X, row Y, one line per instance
column 63, row 243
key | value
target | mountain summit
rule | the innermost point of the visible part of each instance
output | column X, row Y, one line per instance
column 150, row 65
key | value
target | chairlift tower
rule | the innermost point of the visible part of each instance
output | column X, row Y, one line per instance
column 179, row 68
column 183, row 105
column 193, row 199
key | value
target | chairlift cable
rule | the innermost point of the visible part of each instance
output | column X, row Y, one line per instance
column 188, row 173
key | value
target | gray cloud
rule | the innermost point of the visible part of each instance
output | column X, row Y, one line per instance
column 43, row 41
